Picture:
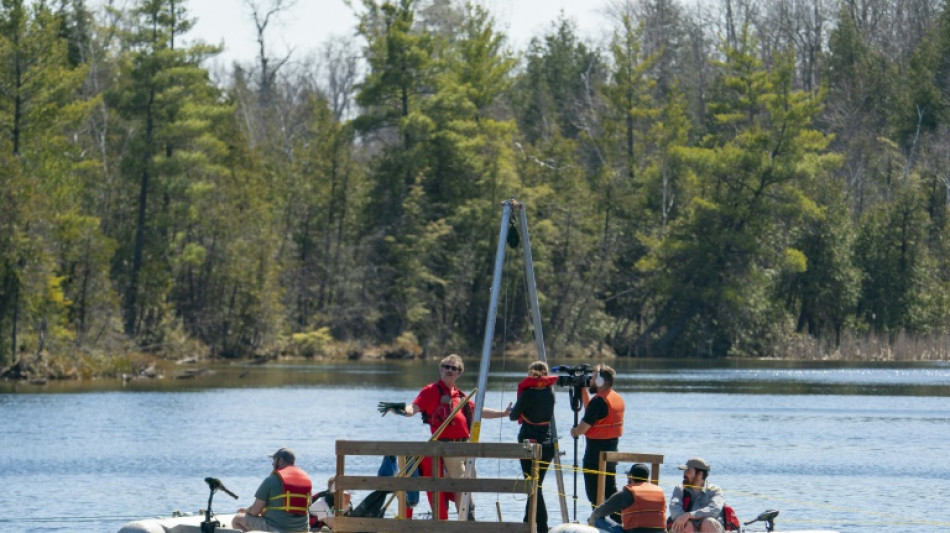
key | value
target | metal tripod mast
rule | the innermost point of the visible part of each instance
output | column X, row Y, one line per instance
column 507, row 208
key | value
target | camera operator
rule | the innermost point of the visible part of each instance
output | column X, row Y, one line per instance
column 603, row 425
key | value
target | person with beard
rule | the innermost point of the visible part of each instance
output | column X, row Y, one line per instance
column 282, row 501
column 696, row 506
column 602, row 424
column 534, row 410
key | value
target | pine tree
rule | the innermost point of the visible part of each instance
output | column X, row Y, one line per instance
column 168, row 103
column 717, row 267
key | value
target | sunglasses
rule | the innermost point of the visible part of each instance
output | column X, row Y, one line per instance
column 453, row 368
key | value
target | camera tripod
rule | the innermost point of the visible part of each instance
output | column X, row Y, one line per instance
column 576, row 399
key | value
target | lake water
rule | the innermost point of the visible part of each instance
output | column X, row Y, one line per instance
column 852, row 448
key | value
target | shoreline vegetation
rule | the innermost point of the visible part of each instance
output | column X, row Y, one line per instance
column 135, row 364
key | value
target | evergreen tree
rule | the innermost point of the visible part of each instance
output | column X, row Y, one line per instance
column 168, row 103
column 39, row 103
column 716, row 268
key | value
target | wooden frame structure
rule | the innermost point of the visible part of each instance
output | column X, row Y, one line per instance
column 652, row 459
column 435, row 450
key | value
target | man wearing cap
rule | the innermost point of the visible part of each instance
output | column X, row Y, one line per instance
column 641, row 504
column 697, row 505
column 282, row 501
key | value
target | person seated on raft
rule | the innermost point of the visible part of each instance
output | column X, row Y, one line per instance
column 696, row 506
column 641, row 504
column 281, row 502
column 321, row 506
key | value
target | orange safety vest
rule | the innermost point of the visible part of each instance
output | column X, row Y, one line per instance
column 648, row 509
column 296, row 496
column 611, row 426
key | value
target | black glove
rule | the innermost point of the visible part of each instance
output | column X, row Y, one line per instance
column 397, row 407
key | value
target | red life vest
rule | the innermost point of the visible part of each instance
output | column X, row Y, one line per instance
column 648, row 509
column 458, row 428
column 611, row 426
column 295, row 498
column 535, row 383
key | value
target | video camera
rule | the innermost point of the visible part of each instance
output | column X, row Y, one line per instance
column 573, row 376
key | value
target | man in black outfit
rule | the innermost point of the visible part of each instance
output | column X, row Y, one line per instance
column 534, row 410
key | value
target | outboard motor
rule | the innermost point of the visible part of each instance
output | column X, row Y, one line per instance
column 209, row 525
column 766, row 516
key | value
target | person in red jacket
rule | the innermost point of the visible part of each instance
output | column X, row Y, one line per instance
column 602, row 425
column 436, row 401
column 282, row 501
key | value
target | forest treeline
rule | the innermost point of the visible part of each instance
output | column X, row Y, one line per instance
column 741, row 177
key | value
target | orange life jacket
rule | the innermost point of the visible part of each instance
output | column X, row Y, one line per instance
column 611, row 426
column 296, row 496
column 648, row 509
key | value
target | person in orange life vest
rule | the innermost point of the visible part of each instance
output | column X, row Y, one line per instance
column 534, row 410
column 281, row 502
column 696, row 505
column 436, row 402
column 641, row 505
column 602, row 424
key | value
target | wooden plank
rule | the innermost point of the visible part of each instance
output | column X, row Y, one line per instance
column 346, row 524
column 653, row 459
column 436, row 484
column 443, row 449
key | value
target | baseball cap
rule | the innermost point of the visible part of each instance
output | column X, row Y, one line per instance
column 696, row 462
column 285, row 454
column 639, row 472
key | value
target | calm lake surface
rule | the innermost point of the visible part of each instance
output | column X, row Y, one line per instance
column 835, row 446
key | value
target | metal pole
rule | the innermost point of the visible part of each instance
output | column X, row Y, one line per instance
column 464, row 505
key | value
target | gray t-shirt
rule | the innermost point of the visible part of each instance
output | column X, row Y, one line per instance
column 279, row 520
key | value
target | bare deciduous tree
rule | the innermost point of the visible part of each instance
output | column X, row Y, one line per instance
column 263, row 14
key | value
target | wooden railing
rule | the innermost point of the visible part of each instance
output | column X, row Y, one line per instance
column 652, row 459
column 435, row 450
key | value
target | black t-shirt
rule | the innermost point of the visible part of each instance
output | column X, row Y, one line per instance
column 596, row 410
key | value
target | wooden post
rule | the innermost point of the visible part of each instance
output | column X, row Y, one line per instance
column 601, row 479
column 401, row 495
column 338, row 499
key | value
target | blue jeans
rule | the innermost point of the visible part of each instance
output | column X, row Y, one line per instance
column 608, row 525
